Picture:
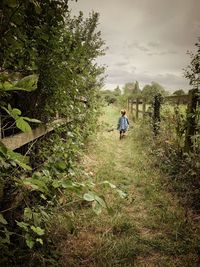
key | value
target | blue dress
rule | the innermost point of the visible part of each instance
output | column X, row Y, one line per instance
column 123, row 124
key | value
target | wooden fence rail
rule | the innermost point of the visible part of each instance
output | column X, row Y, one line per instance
column 18, row 140
column 192, row 101
column 177, row 99
column 133, row 104
column 21, row 139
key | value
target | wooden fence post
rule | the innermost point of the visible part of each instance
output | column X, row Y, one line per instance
column 137, row 108
column 128, row 104
column 156, row 114
column 144, row 107
column 131, row 106
column 191, row 127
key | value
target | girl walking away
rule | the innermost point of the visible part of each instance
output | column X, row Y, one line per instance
column 123, row 124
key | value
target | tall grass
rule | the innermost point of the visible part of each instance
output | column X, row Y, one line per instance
column 148, row 228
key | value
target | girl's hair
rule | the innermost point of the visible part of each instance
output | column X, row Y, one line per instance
column 123, row 112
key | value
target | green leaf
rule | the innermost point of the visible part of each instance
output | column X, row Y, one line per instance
column 5, row 85
column 108, row 183
column 37, row 6
column 71, row 186
column 23, row 225
column 37, row 218
column 43, row 196
column 7, row 234
column 9, row 108
column 28, row 213
column 56, row 183
column 3, row 149
column 89, row 196
column 28, row 83
column 97, row 208
column 100, row 201
column 36, row 184
column 39, row 240
column 14, row 156
column 39, row 231
column 30, row 243
column 24, row 166
column 61, row 165
column 2, row 219
column 16, row 112
column 23, row 125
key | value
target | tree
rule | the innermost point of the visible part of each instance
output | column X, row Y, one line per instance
column 192, row 72
column 132, row 89
column 117, row 91
column 128, row 89
column 179, row 92
column 42, row 39
column 137, row 88
column 149, row 91
column 109, row 96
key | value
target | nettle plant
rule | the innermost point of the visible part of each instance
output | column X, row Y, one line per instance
column 55, row 185
column 61, row 183
column 16, row 120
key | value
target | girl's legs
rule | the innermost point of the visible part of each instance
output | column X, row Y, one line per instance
column 120, row 134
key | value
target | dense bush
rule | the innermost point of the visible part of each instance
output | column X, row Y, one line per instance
column 168, row 153
column 172, row 151
column 182, row 166
column 47, row 67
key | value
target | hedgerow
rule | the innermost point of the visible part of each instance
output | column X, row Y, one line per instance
column 48, row 69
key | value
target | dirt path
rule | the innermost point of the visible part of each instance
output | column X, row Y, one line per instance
column 149, row 227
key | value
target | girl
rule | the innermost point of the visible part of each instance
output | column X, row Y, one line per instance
column 123, row 124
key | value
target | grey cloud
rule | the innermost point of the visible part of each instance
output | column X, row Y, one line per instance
column 153, row 44
column 147, row 40
column 120, row 76
column 123, row 63
column 155, row 48
column 136, row 45
column 162, row 53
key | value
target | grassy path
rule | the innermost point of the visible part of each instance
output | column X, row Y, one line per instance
column 149, row 227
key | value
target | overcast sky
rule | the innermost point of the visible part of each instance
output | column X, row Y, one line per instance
column 147, row 39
